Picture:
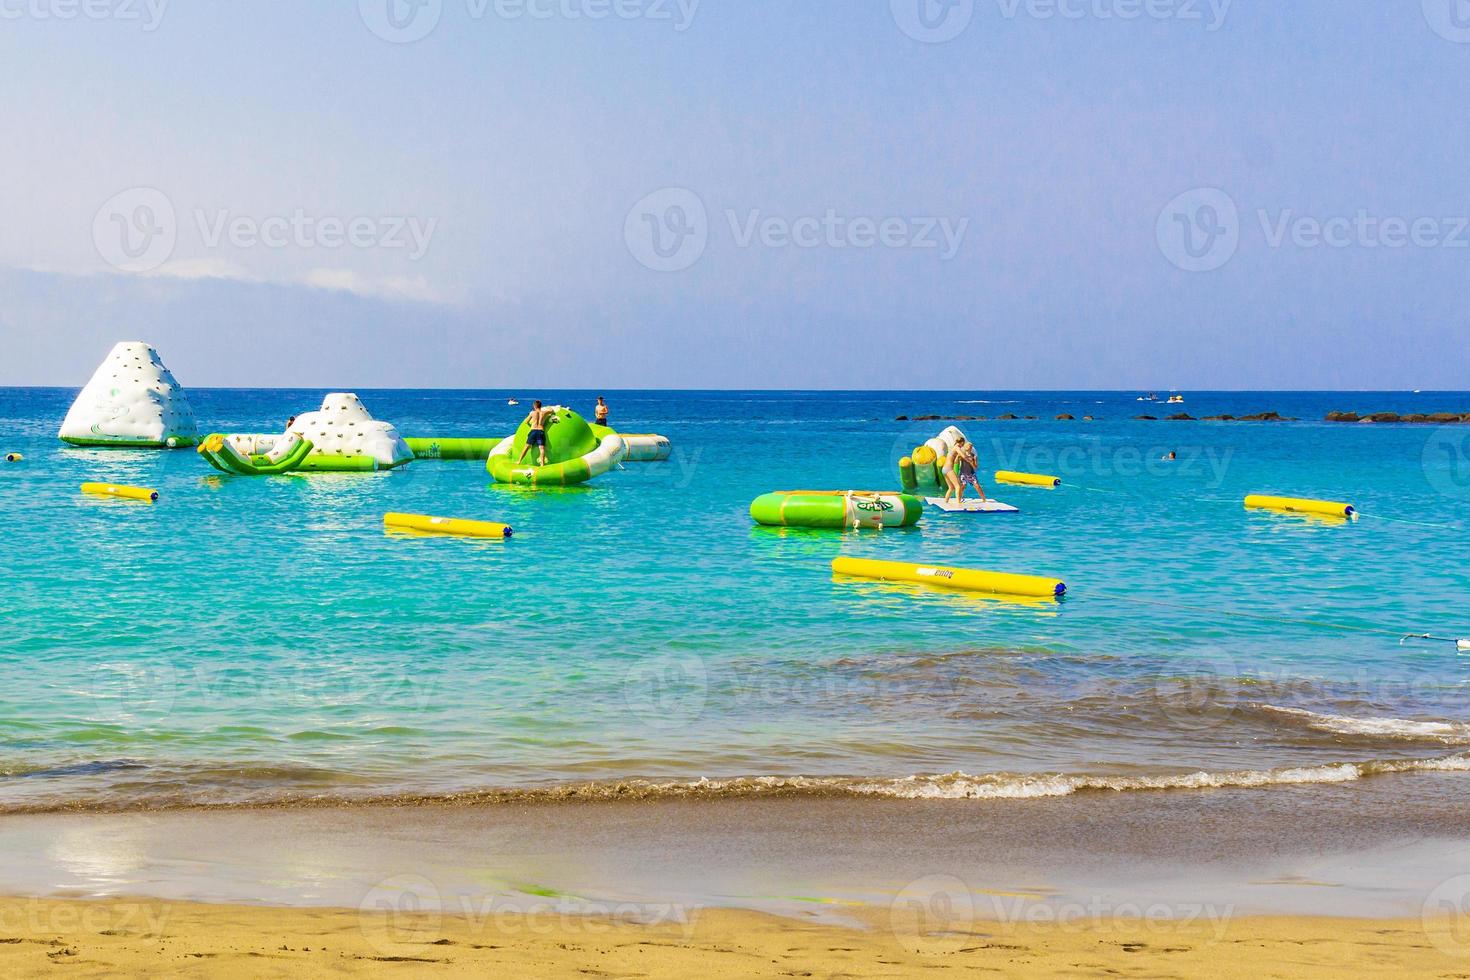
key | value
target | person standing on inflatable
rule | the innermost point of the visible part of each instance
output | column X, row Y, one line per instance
column 537, row 436
column 967, row 464
column 601, row 412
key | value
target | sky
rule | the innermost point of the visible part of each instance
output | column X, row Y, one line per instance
column 951, row 194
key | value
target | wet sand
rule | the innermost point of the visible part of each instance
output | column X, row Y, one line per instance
column 1301, row 881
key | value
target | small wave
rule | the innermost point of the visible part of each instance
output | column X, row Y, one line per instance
column 175, row 795
column 1448, row 732
column 989, row 401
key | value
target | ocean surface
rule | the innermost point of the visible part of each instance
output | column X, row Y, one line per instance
column 264, row 640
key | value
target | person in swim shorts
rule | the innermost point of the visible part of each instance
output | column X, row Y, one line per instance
column 538, row 420
column 601, row 414
column 966, row 466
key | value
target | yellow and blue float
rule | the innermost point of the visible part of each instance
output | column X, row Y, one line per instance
column 145, row 494
column 1027, row 479
column 1299, row 505
column 967, row 579
column 425, row 524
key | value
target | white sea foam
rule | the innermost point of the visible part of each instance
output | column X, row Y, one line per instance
column 1449, row 732
column 1022, row 786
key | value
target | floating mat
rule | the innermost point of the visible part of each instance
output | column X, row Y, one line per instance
column 972, row 506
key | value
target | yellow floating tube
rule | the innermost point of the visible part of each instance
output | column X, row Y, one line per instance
column 1295, row 505
column 970, row 580
column 13, row 457
column 446, row 525
column 114, row 490
column 1027, row 479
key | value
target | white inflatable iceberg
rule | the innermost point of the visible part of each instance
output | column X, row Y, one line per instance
column 132, row 401
column 339, row 438
column 344, row 436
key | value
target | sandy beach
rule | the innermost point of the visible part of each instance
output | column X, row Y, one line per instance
column 1183, row 884
column 174, row 939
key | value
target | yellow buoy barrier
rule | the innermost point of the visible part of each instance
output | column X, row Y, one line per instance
column 1027, row 479
column 13, row 457
column 1294, row 505
column 115, row 490
column 446, row 525
column 971, row 580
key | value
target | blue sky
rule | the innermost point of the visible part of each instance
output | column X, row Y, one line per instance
column 996, row 194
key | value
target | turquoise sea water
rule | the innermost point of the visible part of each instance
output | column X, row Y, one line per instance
column 263, row 639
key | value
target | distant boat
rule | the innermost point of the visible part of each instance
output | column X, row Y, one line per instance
column 1151, row 398
column 512, row 402
column 1176, row 399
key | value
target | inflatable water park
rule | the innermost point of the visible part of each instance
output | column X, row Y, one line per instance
column 133, row 402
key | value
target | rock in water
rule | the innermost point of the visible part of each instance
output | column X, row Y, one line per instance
column 132, row 401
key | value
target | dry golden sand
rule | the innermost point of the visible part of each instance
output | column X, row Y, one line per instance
column 85, row 939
